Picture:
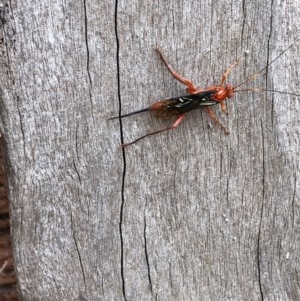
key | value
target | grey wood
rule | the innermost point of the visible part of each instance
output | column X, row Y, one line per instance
column 191, row 214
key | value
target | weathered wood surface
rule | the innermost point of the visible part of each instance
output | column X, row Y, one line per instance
column 191, row 214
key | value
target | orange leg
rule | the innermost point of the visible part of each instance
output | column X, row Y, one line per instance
column 224, row 76
column 213, row 116
column 191, row 88
column 223, row 107
column 176, row 123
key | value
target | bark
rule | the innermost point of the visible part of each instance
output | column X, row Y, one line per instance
column 190, row 214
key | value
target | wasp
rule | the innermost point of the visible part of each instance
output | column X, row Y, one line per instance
column 198, row 98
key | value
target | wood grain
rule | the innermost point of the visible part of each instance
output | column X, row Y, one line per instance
column 191, row 214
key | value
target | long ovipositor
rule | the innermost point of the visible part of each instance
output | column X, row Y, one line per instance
column 129, row 114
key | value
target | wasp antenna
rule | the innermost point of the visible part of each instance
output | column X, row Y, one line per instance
column 250, row 90
column 253, row 76
column 266, row 90
column 282, row 92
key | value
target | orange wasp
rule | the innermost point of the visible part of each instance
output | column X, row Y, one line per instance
column 198, row 98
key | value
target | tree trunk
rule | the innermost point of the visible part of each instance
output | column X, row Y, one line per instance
column 188, row 214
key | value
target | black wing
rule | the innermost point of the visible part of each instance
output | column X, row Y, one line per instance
column 187, row 103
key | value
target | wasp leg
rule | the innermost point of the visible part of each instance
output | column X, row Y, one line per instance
column 191, row 88
column 223, row 107
column 224, row 76
column 213, row 116
column 176, row 123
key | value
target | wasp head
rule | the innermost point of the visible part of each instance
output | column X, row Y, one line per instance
column 223, row 92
